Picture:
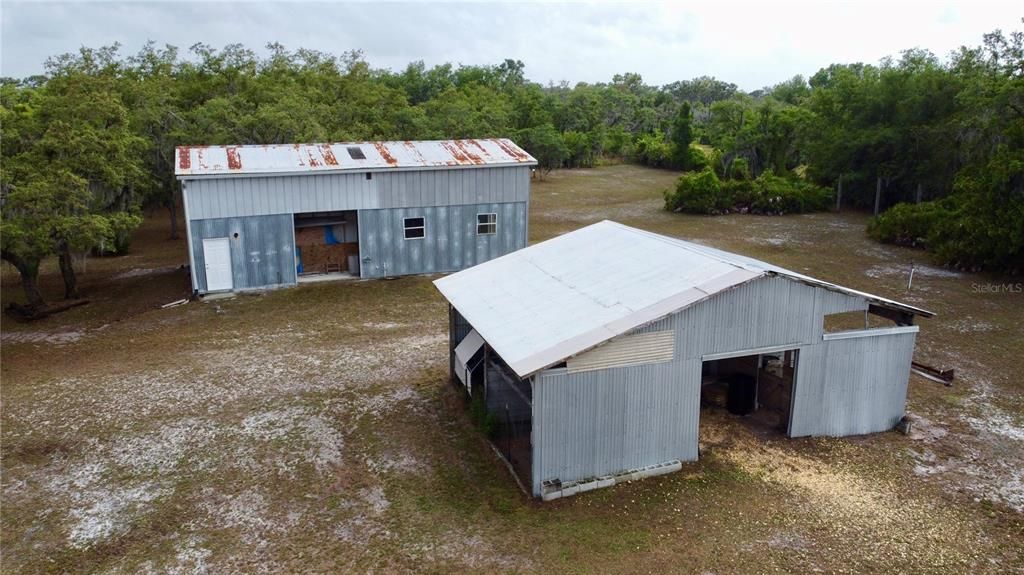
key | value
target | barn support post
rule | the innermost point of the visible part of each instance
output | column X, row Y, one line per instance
column 451, row 344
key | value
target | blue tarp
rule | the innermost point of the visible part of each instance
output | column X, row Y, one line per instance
column 329, row 238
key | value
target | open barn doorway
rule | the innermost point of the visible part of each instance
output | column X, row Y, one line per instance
column 755, row 390
column 326, row 245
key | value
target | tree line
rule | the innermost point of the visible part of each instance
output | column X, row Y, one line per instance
column 91, row 141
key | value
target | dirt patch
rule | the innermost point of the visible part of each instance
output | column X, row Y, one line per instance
column 311, row 430
column 50, row 338
column 144, row 272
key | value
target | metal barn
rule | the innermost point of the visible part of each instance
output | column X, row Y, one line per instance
column 594, row 351
column 261, row 216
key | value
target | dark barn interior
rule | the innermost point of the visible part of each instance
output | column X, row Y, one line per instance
column 759, row 386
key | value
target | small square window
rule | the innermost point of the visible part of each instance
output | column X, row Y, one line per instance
column 415, row 228
column 486, row 224
column 369, row 175
column 356, row 153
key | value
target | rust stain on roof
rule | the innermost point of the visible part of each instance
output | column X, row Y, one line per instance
column 234, row 159
column 384, row 153
column 184, row 157
column 469, row 154
column 287, row 158
column 329, row 158
column 313, row 161
column 457, row 154
column 413, row 148
column 516, row 153
column 482, row 148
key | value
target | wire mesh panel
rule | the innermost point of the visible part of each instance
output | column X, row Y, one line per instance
column 509, row 401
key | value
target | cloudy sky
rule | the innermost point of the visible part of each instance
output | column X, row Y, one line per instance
column 752, row 44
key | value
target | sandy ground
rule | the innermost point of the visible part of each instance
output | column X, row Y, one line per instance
column 312, row 430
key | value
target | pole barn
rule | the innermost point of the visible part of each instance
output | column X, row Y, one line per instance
column 263, row 216
column 593, row 352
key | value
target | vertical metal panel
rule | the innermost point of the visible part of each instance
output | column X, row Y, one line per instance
column 769, row 311
column 460, row 328
column 450, row 243
column 611, row 420
column 262, row 254
column 852, row 386
column 250, row 196
column 603, row 422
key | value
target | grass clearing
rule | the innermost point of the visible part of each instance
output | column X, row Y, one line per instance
column 312, row 429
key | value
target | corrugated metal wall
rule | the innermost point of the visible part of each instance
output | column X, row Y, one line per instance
column 765, row 312
column 612, row 420
column 602, row 422
column 251, row 196
column 450, row 242
column 262, row 255
column 852, row 386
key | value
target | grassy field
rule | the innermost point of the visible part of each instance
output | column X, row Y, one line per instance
column 312, row 429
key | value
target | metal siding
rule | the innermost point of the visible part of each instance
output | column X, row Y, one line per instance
column 605, row 422
column 232, row 197
column 768, row 311
column 262, row 255
column 852, row 386
column 450, row 241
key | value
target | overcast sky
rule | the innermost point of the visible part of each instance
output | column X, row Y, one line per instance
column 752, row 44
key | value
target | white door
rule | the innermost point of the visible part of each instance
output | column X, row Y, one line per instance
column 217, row 254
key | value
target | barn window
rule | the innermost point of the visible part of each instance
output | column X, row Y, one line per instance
column 486, row 224
column 415, row 228
column 356, row 153
column 369, row 175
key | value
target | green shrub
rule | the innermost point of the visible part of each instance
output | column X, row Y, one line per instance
column 703, row 193
column 980, row 226
column 652, row 150
column 739, row 192
column 581, row 149
column 740, row 170
column 696, row 193
column 617, row 142
column 910, row 224
column 786, row 195
column 121, row 226
column 715, row 160
column 696, row 159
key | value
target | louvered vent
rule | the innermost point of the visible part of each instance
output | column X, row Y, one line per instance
column 639, row 349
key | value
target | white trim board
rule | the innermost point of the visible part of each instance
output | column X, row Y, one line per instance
column 871, row 332
column 752, row 351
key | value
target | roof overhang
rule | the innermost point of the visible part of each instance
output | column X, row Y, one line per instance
column 543, row 304
column 194, row 162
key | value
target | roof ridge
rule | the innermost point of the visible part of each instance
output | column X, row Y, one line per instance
column 340, row 143
column 683, row 244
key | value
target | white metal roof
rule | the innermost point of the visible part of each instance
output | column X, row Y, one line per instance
column 545, row 303
column 192, row 161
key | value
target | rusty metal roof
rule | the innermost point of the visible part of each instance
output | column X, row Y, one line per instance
column 355, row 156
